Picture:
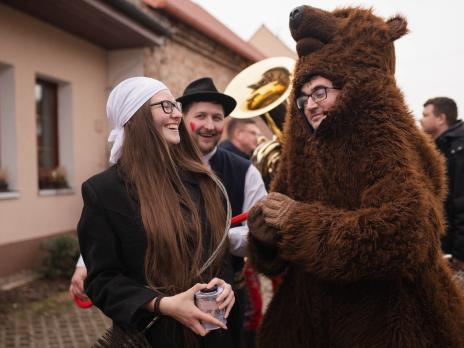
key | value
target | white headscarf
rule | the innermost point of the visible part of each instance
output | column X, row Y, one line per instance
column 124, row 100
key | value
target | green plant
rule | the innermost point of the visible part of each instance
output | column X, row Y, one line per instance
column 61, row 253
column 53, row 178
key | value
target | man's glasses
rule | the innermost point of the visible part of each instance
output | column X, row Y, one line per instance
column 317, row 96
column 168, row 106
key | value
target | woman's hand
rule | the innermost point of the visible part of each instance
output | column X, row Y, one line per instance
column 227, row 298
column 76, row 289
column 182, row 308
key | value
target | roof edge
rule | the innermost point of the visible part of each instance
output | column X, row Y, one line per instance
column 211, row 27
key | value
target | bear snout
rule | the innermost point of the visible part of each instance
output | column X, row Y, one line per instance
column 311, row 28
column 295, row 17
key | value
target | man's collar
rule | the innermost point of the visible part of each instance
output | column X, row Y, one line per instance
column 208, row 156
column 454, row 131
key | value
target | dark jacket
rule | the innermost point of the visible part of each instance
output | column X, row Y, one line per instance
column 231, row 170
column 229, row 146
column 451, row 144
column 113, row 243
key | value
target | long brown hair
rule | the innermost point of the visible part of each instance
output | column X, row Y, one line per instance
column 176, row 248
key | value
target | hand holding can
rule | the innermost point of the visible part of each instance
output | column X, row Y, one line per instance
column 205, row 300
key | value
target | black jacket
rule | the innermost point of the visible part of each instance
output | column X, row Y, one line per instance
column 451, row 144
column 113, row 244
column 229, row 146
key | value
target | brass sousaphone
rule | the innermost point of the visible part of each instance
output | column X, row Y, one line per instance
column 262, row 90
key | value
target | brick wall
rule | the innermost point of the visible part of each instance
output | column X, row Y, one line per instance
column 189, row 55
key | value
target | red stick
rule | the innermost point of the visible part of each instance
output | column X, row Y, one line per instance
column 239, row 218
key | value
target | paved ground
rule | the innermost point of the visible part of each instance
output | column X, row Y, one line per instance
column 56, row 322
column 52, row 323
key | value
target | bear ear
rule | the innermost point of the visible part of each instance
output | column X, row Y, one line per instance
column 397, row 27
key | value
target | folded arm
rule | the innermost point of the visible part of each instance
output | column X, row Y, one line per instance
column 394, row 232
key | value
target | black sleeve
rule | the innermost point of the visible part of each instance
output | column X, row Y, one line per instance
column 456, row 199
column 458, row 224
column 118, row 296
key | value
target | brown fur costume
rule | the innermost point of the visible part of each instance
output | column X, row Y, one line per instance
column 360, row 251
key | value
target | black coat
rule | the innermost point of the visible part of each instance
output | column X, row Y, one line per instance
column 451, row 144
column 229, row 146
column 113, row 244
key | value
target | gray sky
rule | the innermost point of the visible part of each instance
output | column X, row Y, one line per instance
column 429, row 59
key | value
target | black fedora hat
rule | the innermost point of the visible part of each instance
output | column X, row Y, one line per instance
column 204, row 90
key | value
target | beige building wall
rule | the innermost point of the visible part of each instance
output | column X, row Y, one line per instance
column 34, row 48
column 268, row 43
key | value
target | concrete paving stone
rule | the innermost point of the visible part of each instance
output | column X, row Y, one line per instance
column 62, row 326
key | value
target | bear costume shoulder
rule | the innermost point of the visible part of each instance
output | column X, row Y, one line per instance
column 360, row 248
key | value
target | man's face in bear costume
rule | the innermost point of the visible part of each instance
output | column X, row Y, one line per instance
column 354, row 58
column 316, row 98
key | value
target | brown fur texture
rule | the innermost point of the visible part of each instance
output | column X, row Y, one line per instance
column 360, row 251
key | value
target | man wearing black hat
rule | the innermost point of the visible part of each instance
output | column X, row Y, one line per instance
column 205, row 109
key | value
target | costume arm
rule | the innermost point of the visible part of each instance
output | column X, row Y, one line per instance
column 262, row 244
column 119, row 297
column 393, row 232
column 254, row 191
column 265, row 258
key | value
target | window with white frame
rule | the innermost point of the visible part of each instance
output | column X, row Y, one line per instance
column 8, row 156
column 54, row 134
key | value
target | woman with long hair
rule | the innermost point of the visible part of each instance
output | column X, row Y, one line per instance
column 152, row 228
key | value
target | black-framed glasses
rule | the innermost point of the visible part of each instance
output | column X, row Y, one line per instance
column 168, row 106
column 317, row 96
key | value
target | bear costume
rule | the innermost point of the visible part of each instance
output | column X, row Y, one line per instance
column 355, row 221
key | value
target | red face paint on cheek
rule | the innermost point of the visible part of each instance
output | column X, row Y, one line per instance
column 193, row 126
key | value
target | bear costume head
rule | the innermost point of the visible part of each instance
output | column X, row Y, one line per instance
column 354, row 49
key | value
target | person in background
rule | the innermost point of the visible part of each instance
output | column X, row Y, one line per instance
column 242, row 137
column 440, row 120
column 205, row 110
column 152, row 227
